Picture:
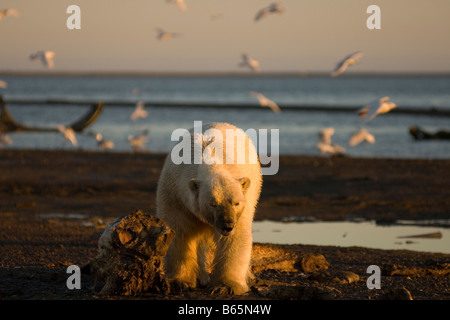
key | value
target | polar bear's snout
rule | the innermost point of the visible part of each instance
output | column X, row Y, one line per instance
column 225, row 219
column 226, row 226
column 227, row 214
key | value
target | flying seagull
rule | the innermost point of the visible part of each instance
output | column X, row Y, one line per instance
column 247, row 61
column 273, row 8
column 139, row 111
column 360, row 136
column 180, row 3
column 265, row 102
column 104, row 144
column 9, row 12
column 213, row 16
column 46, row 58
column 163, row 35
column 137, row 143
column 379, row 106
column 5, row 138
column 325, row 145
column 68, row 133
column 350, row 60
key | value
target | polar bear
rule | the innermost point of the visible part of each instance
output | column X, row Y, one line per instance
column 211, row 207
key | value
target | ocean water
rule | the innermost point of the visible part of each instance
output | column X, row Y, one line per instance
column 298, row 129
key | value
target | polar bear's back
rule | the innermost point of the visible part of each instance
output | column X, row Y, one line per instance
column 236, row 145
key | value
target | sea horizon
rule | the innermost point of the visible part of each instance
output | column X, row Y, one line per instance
column 305, row 73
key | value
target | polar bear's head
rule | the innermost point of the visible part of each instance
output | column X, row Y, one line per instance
column 221, row 201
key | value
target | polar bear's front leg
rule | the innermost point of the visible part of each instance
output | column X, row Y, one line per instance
column 232, row 263
column 181, row 262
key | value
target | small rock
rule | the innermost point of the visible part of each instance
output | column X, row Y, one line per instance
column 269, row 257
column 346, row 277
column 397, row 294
column 312, row 262
column 341, row 277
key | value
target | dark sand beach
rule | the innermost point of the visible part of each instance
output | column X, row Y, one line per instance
column 39, row 238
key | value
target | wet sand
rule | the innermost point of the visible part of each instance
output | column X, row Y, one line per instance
column 39, row 238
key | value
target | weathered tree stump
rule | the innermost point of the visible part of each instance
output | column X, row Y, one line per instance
column 130, row 261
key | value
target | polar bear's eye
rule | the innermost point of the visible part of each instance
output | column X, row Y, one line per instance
column 237, row 204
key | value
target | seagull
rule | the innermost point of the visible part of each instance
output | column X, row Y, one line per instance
column 350, row 60
column 139, row 111
column 3, row 84
column 4, row 138
column 163, row 35
column 214, row 16
column 45, row 56
column 137, row 143
column 104, row 144
column 265, row 102
column 247, row 61
column 325, row 145
column 273, row 8
column 68, row 133
column 325, row 135
column 180, row 3
column 9, row 12
column 382, row 105
column 360, row 136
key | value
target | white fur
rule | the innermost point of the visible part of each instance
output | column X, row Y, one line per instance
column 184, row 198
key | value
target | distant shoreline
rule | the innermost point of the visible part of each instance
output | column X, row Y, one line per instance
column 216, row 74
column 428, row 110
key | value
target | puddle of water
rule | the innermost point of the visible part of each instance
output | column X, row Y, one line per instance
column 63, row 216
column 83, row 219
column 347, row 234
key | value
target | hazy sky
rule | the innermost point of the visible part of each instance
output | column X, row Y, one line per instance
column 311, row 35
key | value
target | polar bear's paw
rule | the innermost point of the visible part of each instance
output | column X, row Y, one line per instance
column 230, row 287
column 177, row 285
column 203, row 279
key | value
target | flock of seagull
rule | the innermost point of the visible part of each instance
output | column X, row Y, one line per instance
column 370, row 111
column 137, row 143
column 46, row 58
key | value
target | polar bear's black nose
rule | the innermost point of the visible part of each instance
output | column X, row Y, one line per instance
column 228, row 228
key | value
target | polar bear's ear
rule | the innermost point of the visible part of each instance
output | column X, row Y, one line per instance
column 206, row 143
column 194, row 185
column 245, row 183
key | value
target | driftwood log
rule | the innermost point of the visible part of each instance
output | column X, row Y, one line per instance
column 421, row 134
column 8, row 124
column 131, row 252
